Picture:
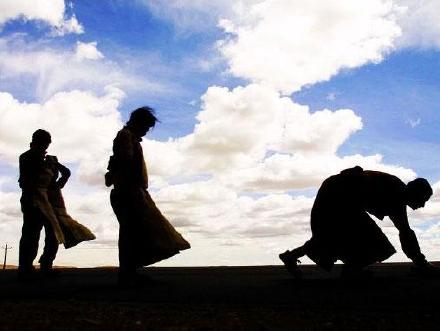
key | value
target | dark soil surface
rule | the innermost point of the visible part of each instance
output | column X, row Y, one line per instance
column 222, row 298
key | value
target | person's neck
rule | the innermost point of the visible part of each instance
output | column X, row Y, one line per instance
column 134, row 131
column 37, row 153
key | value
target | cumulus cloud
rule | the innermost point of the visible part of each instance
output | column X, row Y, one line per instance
column 253, row 139
column 432, row 207
column 190, row 15
column 231, row 185
column 282, row 172
column 420, row 23
column 82, row 125
column 211, row 208
column 290, row 44
column 51, row 12
column 417, row 21
column 67, row 26
column 87, row 51
column 75, row 119
column 54, row 69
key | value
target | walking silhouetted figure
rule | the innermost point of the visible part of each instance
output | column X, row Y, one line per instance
column 343, row 230
column 145, row 235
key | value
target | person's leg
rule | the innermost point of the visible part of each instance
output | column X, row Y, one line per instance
column 123, row 211
column 30, row 236
column 290, row 259
column 50, row 249
column 126, row 263
column 294, row 254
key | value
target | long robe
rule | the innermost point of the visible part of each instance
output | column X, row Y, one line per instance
column 146, row 235
column 341, row 226
column 47, row 197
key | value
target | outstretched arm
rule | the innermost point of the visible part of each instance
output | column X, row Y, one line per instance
column 408, row 239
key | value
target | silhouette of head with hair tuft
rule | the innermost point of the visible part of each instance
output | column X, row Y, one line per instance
column 141, row 120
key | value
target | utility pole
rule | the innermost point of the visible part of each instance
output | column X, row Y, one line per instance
column 6, row 248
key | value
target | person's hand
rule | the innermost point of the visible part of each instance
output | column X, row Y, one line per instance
column 425, row 268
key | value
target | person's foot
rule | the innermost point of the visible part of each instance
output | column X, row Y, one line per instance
column 355, row 273
column 27, row 274
column 133, row 280
column 291, row 263
column 49, row 272
column 426, row 269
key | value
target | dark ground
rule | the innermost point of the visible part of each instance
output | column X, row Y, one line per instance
column 222, row 298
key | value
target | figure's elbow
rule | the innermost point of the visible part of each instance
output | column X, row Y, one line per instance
column 65, row 172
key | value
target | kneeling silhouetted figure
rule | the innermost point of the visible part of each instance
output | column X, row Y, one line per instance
column 145, row 235
column 343, row 230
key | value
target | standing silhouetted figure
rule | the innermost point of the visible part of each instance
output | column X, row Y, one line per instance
column 36, row 175
column 343, row 230
column 145, row 235
column 43, row 205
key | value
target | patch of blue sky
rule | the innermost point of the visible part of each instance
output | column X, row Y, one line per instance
column 186, row 64
column 398, row 102
column 8, row 177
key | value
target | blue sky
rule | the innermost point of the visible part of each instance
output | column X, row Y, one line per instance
column 240, row 88
column 398, row 102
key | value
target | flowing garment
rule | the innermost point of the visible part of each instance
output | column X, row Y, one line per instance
column 341, row 227
column 48, row 199
column 145, row 235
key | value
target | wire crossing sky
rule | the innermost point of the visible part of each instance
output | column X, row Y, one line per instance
column 259, row 102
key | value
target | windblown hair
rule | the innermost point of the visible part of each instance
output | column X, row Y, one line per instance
column 143, row 115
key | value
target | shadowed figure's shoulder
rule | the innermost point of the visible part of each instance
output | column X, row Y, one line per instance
column 28, row 155
column 125, row 143
column 384, row 180
column 124, row 133
column 123, row 137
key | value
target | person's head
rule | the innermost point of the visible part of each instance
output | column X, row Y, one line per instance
column 418, row 192
column 141, row 120
column 40, row 141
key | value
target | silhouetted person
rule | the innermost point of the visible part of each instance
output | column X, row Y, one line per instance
column 145, row 235
column 42, row 205
column 343, row 230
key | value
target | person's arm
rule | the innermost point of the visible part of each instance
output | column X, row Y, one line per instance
column 408, row 239
column 29, row 168
column 65, row 174
column 63, row 170
column 123, row 157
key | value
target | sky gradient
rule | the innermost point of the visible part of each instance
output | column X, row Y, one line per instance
column 259, row 102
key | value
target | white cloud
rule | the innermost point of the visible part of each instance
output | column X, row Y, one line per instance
column 218, row 212
column 253, row 139
column 290, row 44
column 418, row 20
column 432, row 208
column 75, row 119
column 51, row 12
column 420, row 23
column 413, row 122
column 246, row 139
column 82, row 126
column 88, row 51
column 67, row 26
column 281, row 172
column 55, row 69
column 190, row 15
column 331, row 96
